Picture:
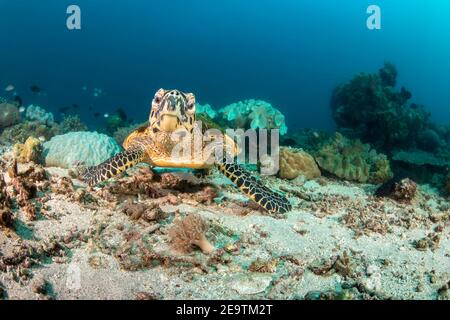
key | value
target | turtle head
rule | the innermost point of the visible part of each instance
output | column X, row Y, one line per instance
column 172, row 110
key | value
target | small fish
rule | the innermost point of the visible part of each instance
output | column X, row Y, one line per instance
column 18, row 100
column 42, row 139
column 90, row 108
column 96, row 115
column 97, row 92
column 9, row 88
column 84, row 88
column 22, row 109
column 35, row 89
column 122, row 114
column 75, row 106
column 106, row 115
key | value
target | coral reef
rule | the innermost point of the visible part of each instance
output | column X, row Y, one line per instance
column 404, row 190
column 114, row 122
column 294, row 162
column 353, row 160
column 71, row 124
column 388, row 74
column 22, row 131
column 422, row 166
column 87, row 148
column 25, row 187
column 369, row 108
column 9, row 115
column 447, row 184
column 307, row 139
column 188, row 232
column 421, row 158
column 206, row 109
column 254, row 114
column 123, row 132
column 31, row 150
column 36, row 113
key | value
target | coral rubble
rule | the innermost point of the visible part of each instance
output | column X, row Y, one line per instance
column 353, row 160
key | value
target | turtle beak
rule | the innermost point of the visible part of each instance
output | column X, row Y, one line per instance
column 169, row 122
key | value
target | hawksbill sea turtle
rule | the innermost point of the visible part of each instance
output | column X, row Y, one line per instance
column 154, row 144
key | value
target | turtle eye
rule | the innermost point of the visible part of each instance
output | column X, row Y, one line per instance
column 191, row 107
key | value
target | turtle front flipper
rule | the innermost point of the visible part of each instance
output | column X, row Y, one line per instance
column 112, row 167
column 254, row 189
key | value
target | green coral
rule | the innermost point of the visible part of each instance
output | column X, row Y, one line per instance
column 352, row 160
column 206, row 109
column 253, row 114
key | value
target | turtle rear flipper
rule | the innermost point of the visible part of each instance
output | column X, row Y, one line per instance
column 254, row 189
column 112, row 167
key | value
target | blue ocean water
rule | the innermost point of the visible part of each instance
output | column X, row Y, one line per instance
column 291, row 53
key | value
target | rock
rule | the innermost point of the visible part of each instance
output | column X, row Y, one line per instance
column 294, row 162
column 248, row 285
column 9, row 115
column 403, row 191
column 420, row 158
column 87, row 148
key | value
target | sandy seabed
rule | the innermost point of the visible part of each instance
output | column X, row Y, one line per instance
column 339, row 242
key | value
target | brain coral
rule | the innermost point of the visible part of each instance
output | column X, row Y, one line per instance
column 254, row 114
column 88, row 148
column 295, row 162
column 9, row 115
column 353, row 160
